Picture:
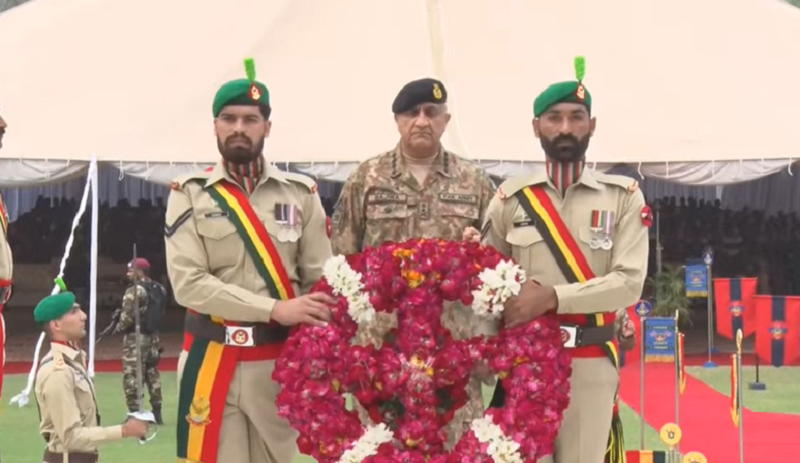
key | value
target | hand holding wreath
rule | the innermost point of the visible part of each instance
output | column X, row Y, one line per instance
column 413, row 384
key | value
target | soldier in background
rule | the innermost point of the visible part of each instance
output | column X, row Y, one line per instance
column 150, row 309
column 69, row 418
column 417, row 190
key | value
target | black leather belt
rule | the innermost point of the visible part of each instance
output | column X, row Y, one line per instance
column 244, row 335
column 72, row 457
column 582, row 336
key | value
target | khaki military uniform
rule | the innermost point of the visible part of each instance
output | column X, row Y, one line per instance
column 212, row 273
column 620, row 271
column 382, row 201
column 69, row 422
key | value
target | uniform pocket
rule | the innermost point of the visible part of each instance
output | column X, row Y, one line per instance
column 222, row 244
column 526, row 243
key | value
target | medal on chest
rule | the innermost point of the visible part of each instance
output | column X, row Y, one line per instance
column 602, row 227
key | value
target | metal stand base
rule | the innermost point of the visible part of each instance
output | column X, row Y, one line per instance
column 709, row 364
column 757, row 386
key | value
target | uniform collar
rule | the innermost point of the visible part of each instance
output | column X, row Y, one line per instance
column 587, row 178
column 440, row 165
column 219, row 172
column 63, row 348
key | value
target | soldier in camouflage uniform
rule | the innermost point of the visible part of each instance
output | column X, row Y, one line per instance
column 417, row 190
column 150, row 343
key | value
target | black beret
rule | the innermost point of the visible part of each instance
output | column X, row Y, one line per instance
column 418, row 92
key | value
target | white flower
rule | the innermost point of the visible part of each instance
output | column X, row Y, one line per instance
column 347, row 282
column 500, row 448
column 373, row 437
column 497, row 286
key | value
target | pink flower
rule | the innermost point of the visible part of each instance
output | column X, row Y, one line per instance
column 418, row 381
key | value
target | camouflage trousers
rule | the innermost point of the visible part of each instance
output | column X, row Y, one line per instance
column 151, row 378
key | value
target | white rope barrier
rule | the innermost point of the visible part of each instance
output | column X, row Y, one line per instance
column 21, row 399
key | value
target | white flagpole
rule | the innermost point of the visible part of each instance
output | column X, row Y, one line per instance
column 21, row 399
column 93, row 266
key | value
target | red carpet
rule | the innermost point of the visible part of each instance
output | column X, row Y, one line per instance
column 705, row 418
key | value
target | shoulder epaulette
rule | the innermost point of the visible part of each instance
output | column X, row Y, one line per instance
column 181, row 180
column 621, row 181
column 58, row 360
column 514, row 184
column 304, row 180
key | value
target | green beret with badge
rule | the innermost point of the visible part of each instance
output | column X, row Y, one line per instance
column 246, row 91
column 54, row 307
column 571, row 91
column 417, row 92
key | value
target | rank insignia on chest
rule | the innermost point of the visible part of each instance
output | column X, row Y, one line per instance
column 602, row 227
column 286, row 218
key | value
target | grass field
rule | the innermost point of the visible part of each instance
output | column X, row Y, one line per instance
column 21, row 443
column 783, row 387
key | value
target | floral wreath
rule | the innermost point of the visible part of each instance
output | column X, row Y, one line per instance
column 421, row 375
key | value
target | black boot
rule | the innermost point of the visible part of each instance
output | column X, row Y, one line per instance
column 157, row 414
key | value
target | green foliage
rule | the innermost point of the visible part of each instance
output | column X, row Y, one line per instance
column 669, row 290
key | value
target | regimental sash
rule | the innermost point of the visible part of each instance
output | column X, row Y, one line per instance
column 574, row 266
column 646, row 456
column 3, row 217
column 210, row 366
column 568, row 256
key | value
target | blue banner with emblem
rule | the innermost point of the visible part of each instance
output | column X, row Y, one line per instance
column 696, row 281
column 659, row 341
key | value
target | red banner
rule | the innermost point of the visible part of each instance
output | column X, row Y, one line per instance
column 778, row 329
column 735, row 306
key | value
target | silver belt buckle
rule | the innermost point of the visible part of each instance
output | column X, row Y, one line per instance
column 569, row 335
column 239, row 336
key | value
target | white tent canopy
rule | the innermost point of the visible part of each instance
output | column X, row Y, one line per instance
column 683, row 90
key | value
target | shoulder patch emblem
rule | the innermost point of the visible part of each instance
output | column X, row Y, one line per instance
column 174, row 185
column 647, row 216
column 633, row 187
column 500, row 193
column 328, row 227
column 314, row 189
